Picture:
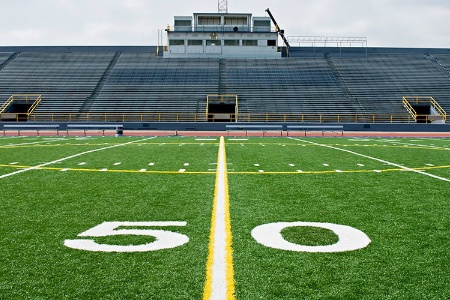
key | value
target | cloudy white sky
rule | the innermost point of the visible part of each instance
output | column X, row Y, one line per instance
column 385, row 23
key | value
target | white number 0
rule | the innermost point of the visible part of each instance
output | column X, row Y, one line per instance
column 164, row 239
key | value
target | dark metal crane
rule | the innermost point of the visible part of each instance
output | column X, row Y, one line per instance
column 280, row 32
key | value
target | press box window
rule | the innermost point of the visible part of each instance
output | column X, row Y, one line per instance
column 258, row 23
column 249, row 43
column 176, row 42
column 185, row 23
column 213, row 43
column 231, row 42
column 195, row 43
column 272, row 43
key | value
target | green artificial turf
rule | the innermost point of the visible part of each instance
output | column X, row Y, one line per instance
column 367, row 184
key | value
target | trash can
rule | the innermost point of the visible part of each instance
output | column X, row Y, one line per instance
column 119, row 131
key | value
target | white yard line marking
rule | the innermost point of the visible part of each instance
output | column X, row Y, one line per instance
column 65, row 170
column 117, row 163
column 151, row 164
column 219, row 274
column 377, row 159
column 81, row 163
column 186, row 165
column 103, row 170
column 69, row 157
column 33, row 143
column 238, row 139
column 182, row 170
column 206, row 139
column 142, row 170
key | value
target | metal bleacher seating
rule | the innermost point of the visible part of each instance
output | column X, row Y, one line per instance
column 63, row 79
column 140, row 82
column 296, row 86
column 4, row 56
column 380, row 82
column 137, row 82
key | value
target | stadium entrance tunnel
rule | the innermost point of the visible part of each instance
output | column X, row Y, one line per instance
column 17, row 111
column 221, row 112
column 423, row 110
column 222, row 108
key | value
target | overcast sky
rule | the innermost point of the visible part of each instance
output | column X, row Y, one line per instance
column 385, row 23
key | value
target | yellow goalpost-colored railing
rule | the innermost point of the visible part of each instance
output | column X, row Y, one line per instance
column 200, row 117
column 6, row 104
column 34, row 98
column 407, row 100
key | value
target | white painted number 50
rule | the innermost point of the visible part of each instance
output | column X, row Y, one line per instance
column 350, row 238
column 164, row 239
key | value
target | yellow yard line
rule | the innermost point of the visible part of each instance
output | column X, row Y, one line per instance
column 219, row 271
column 162, row 172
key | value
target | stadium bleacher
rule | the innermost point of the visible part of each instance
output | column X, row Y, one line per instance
column 134, row 82
column 144, row 83
column 379, row 81
column 64, row 79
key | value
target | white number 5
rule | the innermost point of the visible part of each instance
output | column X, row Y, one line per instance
column 164, row 239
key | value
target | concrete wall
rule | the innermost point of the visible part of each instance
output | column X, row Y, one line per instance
column 222, row 126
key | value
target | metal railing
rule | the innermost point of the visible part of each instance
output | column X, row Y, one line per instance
column 32, row 99
column 72, row 117
column 407, row 100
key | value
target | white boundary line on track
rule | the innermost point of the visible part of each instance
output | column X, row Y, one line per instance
column 219, row 272
column 69, row 157
column 374, row 158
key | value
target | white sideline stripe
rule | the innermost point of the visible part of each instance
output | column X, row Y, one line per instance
column 377, row 159
column 69, row 157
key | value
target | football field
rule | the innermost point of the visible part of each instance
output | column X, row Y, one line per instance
column 224, row 218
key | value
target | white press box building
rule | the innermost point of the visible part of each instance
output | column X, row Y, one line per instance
column 222, row 35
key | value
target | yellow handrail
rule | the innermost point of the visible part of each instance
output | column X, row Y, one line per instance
column 201, row 118
column 409, row 108
column 6, row 104
column 422, row 99
column 34, row 105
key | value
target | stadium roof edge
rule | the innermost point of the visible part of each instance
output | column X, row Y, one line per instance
column 293, row 51
column 50, row 49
